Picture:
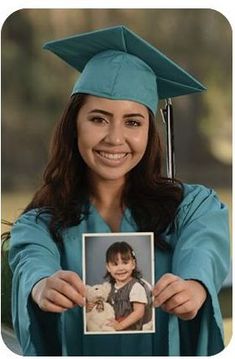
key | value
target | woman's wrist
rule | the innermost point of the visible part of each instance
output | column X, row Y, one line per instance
column 36, row 290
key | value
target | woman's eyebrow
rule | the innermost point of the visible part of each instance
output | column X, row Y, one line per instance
column 103, row 112
column 107, row 113
column 134, row 115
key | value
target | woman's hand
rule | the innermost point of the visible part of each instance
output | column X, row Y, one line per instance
column 178, row 296
column 59, row 292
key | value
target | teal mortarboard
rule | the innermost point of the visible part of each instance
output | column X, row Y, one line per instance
column 118, row 64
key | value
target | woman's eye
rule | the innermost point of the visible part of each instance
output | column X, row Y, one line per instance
column 133, row 123
column 98, row 120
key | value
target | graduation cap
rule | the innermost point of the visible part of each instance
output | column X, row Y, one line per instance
column 116, row 63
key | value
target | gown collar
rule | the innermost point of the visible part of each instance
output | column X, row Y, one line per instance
column 127, row 223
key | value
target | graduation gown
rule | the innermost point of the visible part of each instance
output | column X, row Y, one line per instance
column 200, row 243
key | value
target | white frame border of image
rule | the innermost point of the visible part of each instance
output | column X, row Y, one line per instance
column 119, row 234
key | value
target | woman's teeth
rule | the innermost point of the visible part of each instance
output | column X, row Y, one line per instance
column 112, row 156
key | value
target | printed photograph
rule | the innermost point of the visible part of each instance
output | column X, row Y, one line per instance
column 118, row 271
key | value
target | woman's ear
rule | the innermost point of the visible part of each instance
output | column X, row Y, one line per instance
column 107, row 267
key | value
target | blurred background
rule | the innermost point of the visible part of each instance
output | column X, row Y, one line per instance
column 36, row 86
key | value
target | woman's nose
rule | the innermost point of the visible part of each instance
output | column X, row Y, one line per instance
column 115, row 135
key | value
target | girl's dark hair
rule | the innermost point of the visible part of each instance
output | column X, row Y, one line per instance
column 126, row 252
column 151, row 198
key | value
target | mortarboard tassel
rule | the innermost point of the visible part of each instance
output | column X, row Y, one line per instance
column 167, row 116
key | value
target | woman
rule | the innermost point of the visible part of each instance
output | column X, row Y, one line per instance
column 105, row 175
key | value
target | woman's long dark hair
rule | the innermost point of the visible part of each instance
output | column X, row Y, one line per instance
column 151, row 198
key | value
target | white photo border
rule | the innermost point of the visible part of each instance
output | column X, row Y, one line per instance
column 85, row 236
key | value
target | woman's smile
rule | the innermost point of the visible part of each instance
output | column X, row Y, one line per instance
column 112, row 158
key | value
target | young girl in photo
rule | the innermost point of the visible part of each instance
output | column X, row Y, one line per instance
column 128, row 293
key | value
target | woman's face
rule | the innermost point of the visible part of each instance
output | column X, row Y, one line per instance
column 112, row 136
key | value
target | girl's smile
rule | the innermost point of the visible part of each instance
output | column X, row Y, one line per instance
column 112, row 136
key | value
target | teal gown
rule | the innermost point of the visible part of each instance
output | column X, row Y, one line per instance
column 200, row 245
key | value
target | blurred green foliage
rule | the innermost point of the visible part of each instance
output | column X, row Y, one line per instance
column 36, row 86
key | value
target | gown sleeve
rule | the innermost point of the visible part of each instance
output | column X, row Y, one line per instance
column 33, row 255
column 202, row 253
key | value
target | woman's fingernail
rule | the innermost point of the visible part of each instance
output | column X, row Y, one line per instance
column 156, row 304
